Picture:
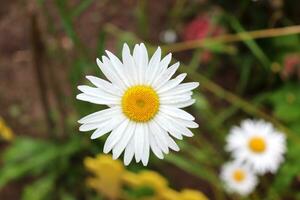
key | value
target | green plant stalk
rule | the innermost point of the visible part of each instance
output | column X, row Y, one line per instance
column 192, row 168
column 83, row 5
column 249, row 41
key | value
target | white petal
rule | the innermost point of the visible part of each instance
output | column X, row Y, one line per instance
column 129, row 152
column 165, row 77
column 129, row 65
column 101, row 115
column 182, row 104
column 156, row 150
column 144, row 54
column 172, row 144
column 146, row 152
column 91, row 126
column 138, row 141
column 176, row 99
column 104, row 85
column 138, row 58
column 127, row 136
column 96, row 92
column 115, row 136
column 116, row 80
column 108, row 71
column 158, row 135
column 96, row 100
column 166, row 125
column 153, row 66
column 176, row 112
column 186, row 123
column 176, row 128
column 113, row 123
column 172, row 83
column 183, row 88
column 163, row 65
column 143, row 63
column 118, row 67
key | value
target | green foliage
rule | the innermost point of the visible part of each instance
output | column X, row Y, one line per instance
column 40, row 189
column 238, row 83
column 288, row 173
column 36, row 157
column 286, row 102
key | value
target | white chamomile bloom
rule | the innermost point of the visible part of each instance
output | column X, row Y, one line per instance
column 258, row 144
column 238, row 178
column 144, row 104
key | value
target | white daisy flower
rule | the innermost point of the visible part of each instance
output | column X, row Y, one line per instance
column 238, row 178
column 258, row 144
column 145, row 104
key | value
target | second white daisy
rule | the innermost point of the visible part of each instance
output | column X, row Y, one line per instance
column 145, row 104
column 257, row 144
column 238, row 178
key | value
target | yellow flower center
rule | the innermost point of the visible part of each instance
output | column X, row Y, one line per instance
column 140, row 103
column 257, row 144
column 239, row 175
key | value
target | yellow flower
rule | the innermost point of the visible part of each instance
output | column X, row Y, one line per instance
column 131, row 179
column 5, row 132
column 147, row 178
column 108, row 175
column 169, row 194
column 189, row 194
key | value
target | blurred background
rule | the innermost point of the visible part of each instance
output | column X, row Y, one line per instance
column 245, row 54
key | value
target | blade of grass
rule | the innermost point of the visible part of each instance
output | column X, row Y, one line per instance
column 83, row 5
column 141, row 17
column 249, row 41
column 237, row 37
column 198, row 171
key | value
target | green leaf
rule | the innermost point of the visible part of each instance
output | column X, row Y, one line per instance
column 250, row 43
column 40, row 189
column 27, row 157
column 83, row 5
column 22, row 148
column 286, row 102
column 67, row 22
column 192, row 168
column 288, row 171
column 34, row 164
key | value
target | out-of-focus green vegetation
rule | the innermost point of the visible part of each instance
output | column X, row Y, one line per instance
column 245, row 78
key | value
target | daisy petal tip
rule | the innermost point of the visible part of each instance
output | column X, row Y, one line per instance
column 110, row 54
column 78, row 96
column 114, row 157
column 176, row 149
column 196, row 125
column 98, row 61
column 79, row 87
column 161, row 158
column 191, row 135
column 145, row 162
column 106, row 151
column 93, row 137
column 88, row 77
